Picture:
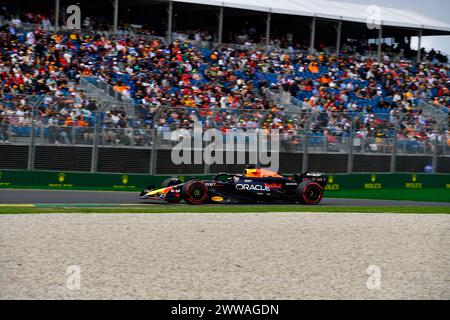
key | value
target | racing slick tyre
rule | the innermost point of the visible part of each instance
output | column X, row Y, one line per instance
column 194, row 192
column 310, row 193
column 172, row 181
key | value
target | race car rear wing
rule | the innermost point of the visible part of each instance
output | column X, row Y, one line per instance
column 319, row 177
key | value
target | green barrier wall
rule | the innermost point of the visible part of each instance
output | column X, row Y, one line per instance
column 130, row 182
column 388, row 181
column 74, row 181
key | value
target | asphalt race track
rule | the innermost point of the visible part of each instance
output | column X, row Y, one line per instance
column 8, row 196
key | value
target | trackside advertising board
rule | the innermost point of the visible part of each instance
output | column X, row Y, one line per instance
column 132, row 182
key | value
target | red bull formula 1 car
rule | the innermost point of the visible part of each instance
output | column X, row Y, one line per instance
column 254, row 186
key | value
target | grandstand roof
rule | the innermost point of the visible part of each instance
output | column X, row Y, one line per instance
column 337, row 11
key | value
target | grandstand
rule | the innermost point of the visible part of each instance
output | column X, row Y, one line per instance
column 100, row 99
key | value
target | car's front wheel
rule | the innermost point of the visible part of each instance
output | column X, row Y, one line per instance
column 310, row 193
column 195, row 192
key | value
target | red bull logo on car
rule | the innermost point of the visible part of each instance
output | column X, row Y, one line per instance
column 273, row 185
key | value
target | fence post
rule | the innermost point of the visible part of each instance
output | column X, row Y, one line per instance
column 154, row 153
column 445, row 138
column 394, row 152
column 350, row 150
column 435, row 153
column 97, row 131
column 305, row 144
column 32, row 147
column 206, row 170
column 95, row 143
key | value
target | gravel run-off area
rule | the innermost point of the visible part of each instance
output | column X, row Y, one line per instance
column 225, row 256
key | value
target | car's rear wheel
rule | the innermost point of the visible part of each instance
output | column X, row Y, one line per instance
column 310, row 193
column 195, row 192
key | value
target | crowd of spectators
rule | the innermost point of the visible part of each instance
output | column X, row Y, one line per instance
column 177, row 84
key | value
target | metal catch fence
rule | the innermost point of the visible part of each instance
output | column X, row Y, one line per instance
column 64, row 133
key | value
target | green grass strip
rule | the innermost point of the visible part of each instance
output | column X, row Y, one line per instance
column 431, row 195
column 223, row 209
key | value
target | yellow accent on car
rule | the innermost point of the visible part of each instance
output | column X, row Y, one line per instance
column 260, row 173
column 159, row 191
column 217, row 199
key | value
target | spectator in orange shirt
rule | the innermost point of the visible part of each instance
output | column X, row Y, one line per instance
column 68, row 122
column 314, row 67
column 325, row 80
column 121, row 87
